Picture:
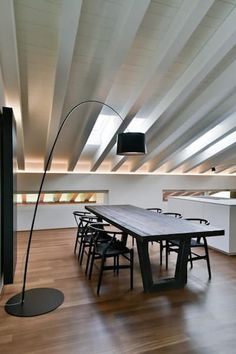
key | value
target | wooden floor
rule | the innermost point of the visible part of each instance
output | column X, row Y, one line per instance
column 198, row 319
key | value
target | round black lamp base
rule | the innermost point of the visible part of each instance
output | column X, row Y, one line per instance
column 37, row 302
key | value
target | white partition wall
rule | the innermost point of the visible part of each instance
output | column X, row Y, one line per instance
column 220, row 213
column 140, row 190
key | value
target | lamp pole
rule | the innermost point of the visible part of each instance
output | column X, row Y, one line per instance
column 34, row 302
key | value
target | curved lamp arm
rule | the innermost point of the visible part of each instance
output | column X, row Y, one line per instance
column 43, row 178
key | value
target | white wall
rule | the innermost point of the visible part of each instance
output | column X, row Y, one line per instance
column 48, row 217
column 140, row 190
column 217, row 214
column 2, row 95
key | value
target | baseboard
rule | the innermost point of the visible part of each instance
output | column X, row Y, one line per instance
column 224, row 252
column 50, row 229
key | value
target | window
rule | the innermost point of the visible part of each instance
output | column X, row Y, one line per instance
column 71, row 197
column 197, row 193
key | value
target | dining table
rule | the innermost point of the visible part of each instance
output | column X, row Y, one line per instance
column 146, row 226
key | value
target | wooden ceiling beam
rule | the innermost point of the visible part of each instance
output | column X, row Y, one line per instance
column 57, row 197
column 73, row 197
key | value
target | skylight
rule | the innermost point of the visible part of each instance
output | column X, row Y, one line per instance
column 104, row 126
column 136, row 125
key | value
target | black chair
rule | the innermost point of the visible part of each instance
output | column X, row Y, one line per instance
column 157, row 210
column 85, row 237
column 162, row 245
column 196, row 242
column 77, row 215
column 175, row 215
column 112, row 248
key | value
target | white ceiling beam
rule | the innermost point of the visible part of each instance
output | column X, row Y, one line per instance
column 223, row 40
column 233, row 170
column 161, row 162
column 186, row 21
column 124, row 35
column 182, row 129
column 223, row 110
column 215, row 149
column 227, row 169
column 223, row 158
column 70, row 15
column 203, row 140
column 10, row 72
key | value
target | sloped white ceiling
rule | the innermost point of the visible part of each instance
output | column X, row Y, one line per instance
column 167, row 66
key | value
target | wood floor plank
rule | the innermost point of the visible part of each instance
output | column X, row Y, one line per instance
column 199, row 319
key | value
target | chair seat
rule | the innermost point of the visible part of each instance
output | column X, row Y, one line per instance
column 173, row 246
column 114, row 249
column 194, row 243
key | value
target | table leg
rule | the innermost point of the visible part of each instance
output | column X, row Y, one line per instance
column 182, row 261
column 180, row 278
column 145, row 265
column 124, row 238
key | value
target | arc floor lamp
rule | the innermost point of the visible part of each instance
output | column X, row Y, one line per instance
column 34, row 302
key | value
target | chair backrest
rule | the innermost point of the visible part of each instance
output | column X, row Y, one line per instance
column 175, row 215
column 85, row 221
column 78, row 214
column 157, row 210
column 89, row 219
column 199, row 220
column 98, row 231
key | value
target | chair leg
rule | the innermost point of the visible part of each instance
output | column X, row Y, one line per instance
column 91, row 265
column 167, row 254
column 88, row 258
column 82, row 254
column 76, row 242
column 131, row 269
column 161, row 251
column 190, row 259
column 80, row 248
column 100, row 275
column 114, row 265
column 118, row 265
column 207, row 258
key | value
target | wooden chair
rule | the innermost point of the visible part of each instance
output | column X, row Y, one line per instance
column 113, row 248
column 196, row 242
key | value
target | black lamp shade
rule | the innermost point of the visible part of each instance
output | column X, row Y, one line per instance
column 131, row 144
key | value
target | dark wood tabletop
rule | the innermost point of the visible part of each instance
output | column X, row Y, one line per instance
column 145, row 224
